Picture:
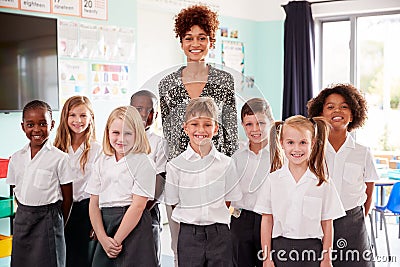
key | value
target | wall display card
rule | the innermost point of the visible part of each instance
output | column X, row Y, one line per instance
column 91, row 44
column 36, row 5
column 233, row 55
column 73, row 79
column 9, row 3
column 110, row 37
column 68, row 38
column 126, row 44
column 109, row 81
column 118, row 43
column 67, row 7
column 94, row 9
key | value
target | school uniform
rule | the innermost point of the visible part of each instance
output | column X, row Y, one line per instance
column 297, row 210
column 159, row 155
column 77, row 230
column 38, row 226
column 199, row 188
column 253, row 169
column 350, row 168
column 115, row 182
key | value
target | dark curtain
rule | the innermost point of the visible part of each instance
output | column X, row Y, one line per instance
column 298, row 58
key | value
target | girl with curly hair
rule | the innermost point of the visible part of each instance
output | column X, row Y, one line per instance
column 351, row 167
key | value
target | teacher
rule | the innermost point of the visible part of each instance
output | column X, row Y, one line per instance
column 196, row 27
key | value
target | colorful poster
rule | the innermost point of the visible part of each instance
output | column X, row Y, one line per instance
column 73, row 79
column 36, row 5
column 67, row 7
column 9, row 3
column 68, row 37
column 109, row 81
column 94, row 9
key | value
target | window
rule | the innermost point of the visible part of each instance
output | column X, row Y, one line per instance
column 364, row 50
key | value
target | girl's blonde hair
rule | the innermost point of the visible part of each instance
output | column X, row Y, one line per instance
column 133, row 121
column 319, row 129
column 63, row 137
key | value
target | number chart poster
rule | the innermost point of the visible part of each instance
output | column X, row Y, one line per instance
column 109, row 82
column 94, row 9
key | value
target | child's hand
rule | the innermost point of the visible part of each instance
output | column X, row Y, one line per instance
column 268, row 263
column 111, row 247
column 326, row 263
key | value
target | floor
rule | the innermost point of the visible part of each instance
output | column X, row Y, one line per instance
column 382, row 260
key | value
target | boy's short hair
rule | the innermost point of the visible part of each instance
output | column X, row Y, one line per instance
column 201, row 106
column 147, row 93
column 257, row 105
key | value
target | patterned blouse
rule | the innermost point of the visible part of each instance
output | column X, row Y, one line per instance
column 174, row 99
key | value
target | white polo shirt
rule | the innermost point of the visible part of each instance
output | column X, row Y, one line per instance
column 199, row 187
column 115, row 181
column 159, row 150
column 253, row 169
column 298, row 208
column 350, row 168
column 37, row 181
column 81, row 178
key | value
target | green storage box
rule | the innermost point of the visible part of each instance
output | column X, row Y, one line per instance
column 6, row 207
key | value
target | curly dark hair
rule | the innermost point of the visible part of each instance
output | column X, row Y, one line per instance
column 353, row 97
column 199, row 15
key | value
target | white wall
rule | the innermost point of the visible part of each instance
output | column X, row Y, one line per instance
column 268, row 10
column 157, row 47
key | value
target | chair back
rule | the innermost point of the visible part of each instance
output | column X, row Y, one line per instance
column 393, row 203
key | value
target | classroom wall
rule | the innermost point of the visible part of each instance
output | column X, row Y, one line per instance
column 121, row 13
column 263, row 45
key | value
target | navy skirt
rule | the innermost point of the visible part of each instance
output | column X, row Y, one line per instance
column 137, row 248
column 289, row 252
column 38, row 238
column 351, row 246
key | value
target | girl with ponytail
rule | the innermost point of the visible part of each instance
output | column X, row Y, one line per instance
column 300, row 202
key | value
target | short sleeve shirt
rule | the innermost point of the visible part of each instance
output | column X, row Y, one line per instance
column 253, row 169
column 199, row 187
column 350, row 168
column 37, row 181
column 116, row 181
column 298, row 208
column 159, row 150
column 81, row 177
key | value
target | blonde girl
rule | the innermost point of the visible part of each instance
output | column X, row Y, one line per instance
column 299, row 202
column 76, row 136
column 123, row 181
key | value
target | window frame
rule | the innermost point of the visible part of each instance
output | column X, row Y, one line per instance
column 318, row 21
